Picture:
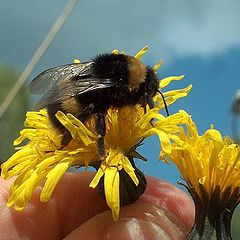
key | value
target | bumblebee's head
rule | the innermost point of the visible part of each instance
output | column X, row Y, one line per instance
column 151, row 83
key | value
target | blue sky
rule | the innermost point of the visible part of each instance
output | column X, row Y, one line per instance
column 200, row 39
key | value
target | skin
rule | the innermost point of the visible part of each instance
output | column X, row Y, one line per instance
column 76, row 212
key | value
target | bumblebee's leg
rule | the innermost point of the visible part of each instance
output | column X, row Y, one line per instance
column 67, row 137
column 100, row 131
column 150, row 102
column 151, row 105
column 52, row 109
column 145, row 109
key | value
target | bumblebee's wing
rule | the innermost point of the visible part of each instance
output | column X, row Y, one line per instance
column 47, row 79
column 71, row 89
column 64, row 82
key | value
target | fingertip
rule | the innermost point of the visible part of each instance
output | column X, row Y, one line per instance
column 137, row 221
column 162, row 212
column 71, row 204
column 164, row 195
column 74, row 205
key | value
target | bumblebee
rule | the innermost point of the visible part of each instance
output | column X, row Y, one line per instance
column 84, row 89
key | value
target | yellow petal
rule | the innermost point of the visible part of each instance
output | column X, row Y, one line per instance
column 80, row 130
column 15, row 159
column 127, row 166
column 76, row 60
column 53, row 178
column 111, row 188
column 141, row 52
column 165, row 82
column 157, row 65
column 97, row 178
column 164, row 140
column 115, row 51
column 214, row 134
column 23, row 193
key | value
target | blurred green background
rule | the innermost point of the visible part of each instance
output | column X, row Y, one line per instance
column 13, row 119
column 200, row 39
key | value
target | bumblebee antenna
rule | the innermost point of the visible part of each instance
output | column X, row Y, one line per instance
column 165, row 104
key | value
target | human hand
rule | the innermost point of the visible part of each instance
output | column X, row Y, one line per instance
column 76, row 212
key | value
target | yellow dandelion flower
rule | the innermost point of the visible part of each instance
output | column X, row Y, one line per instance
column 210, row 165
column 43, row 159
